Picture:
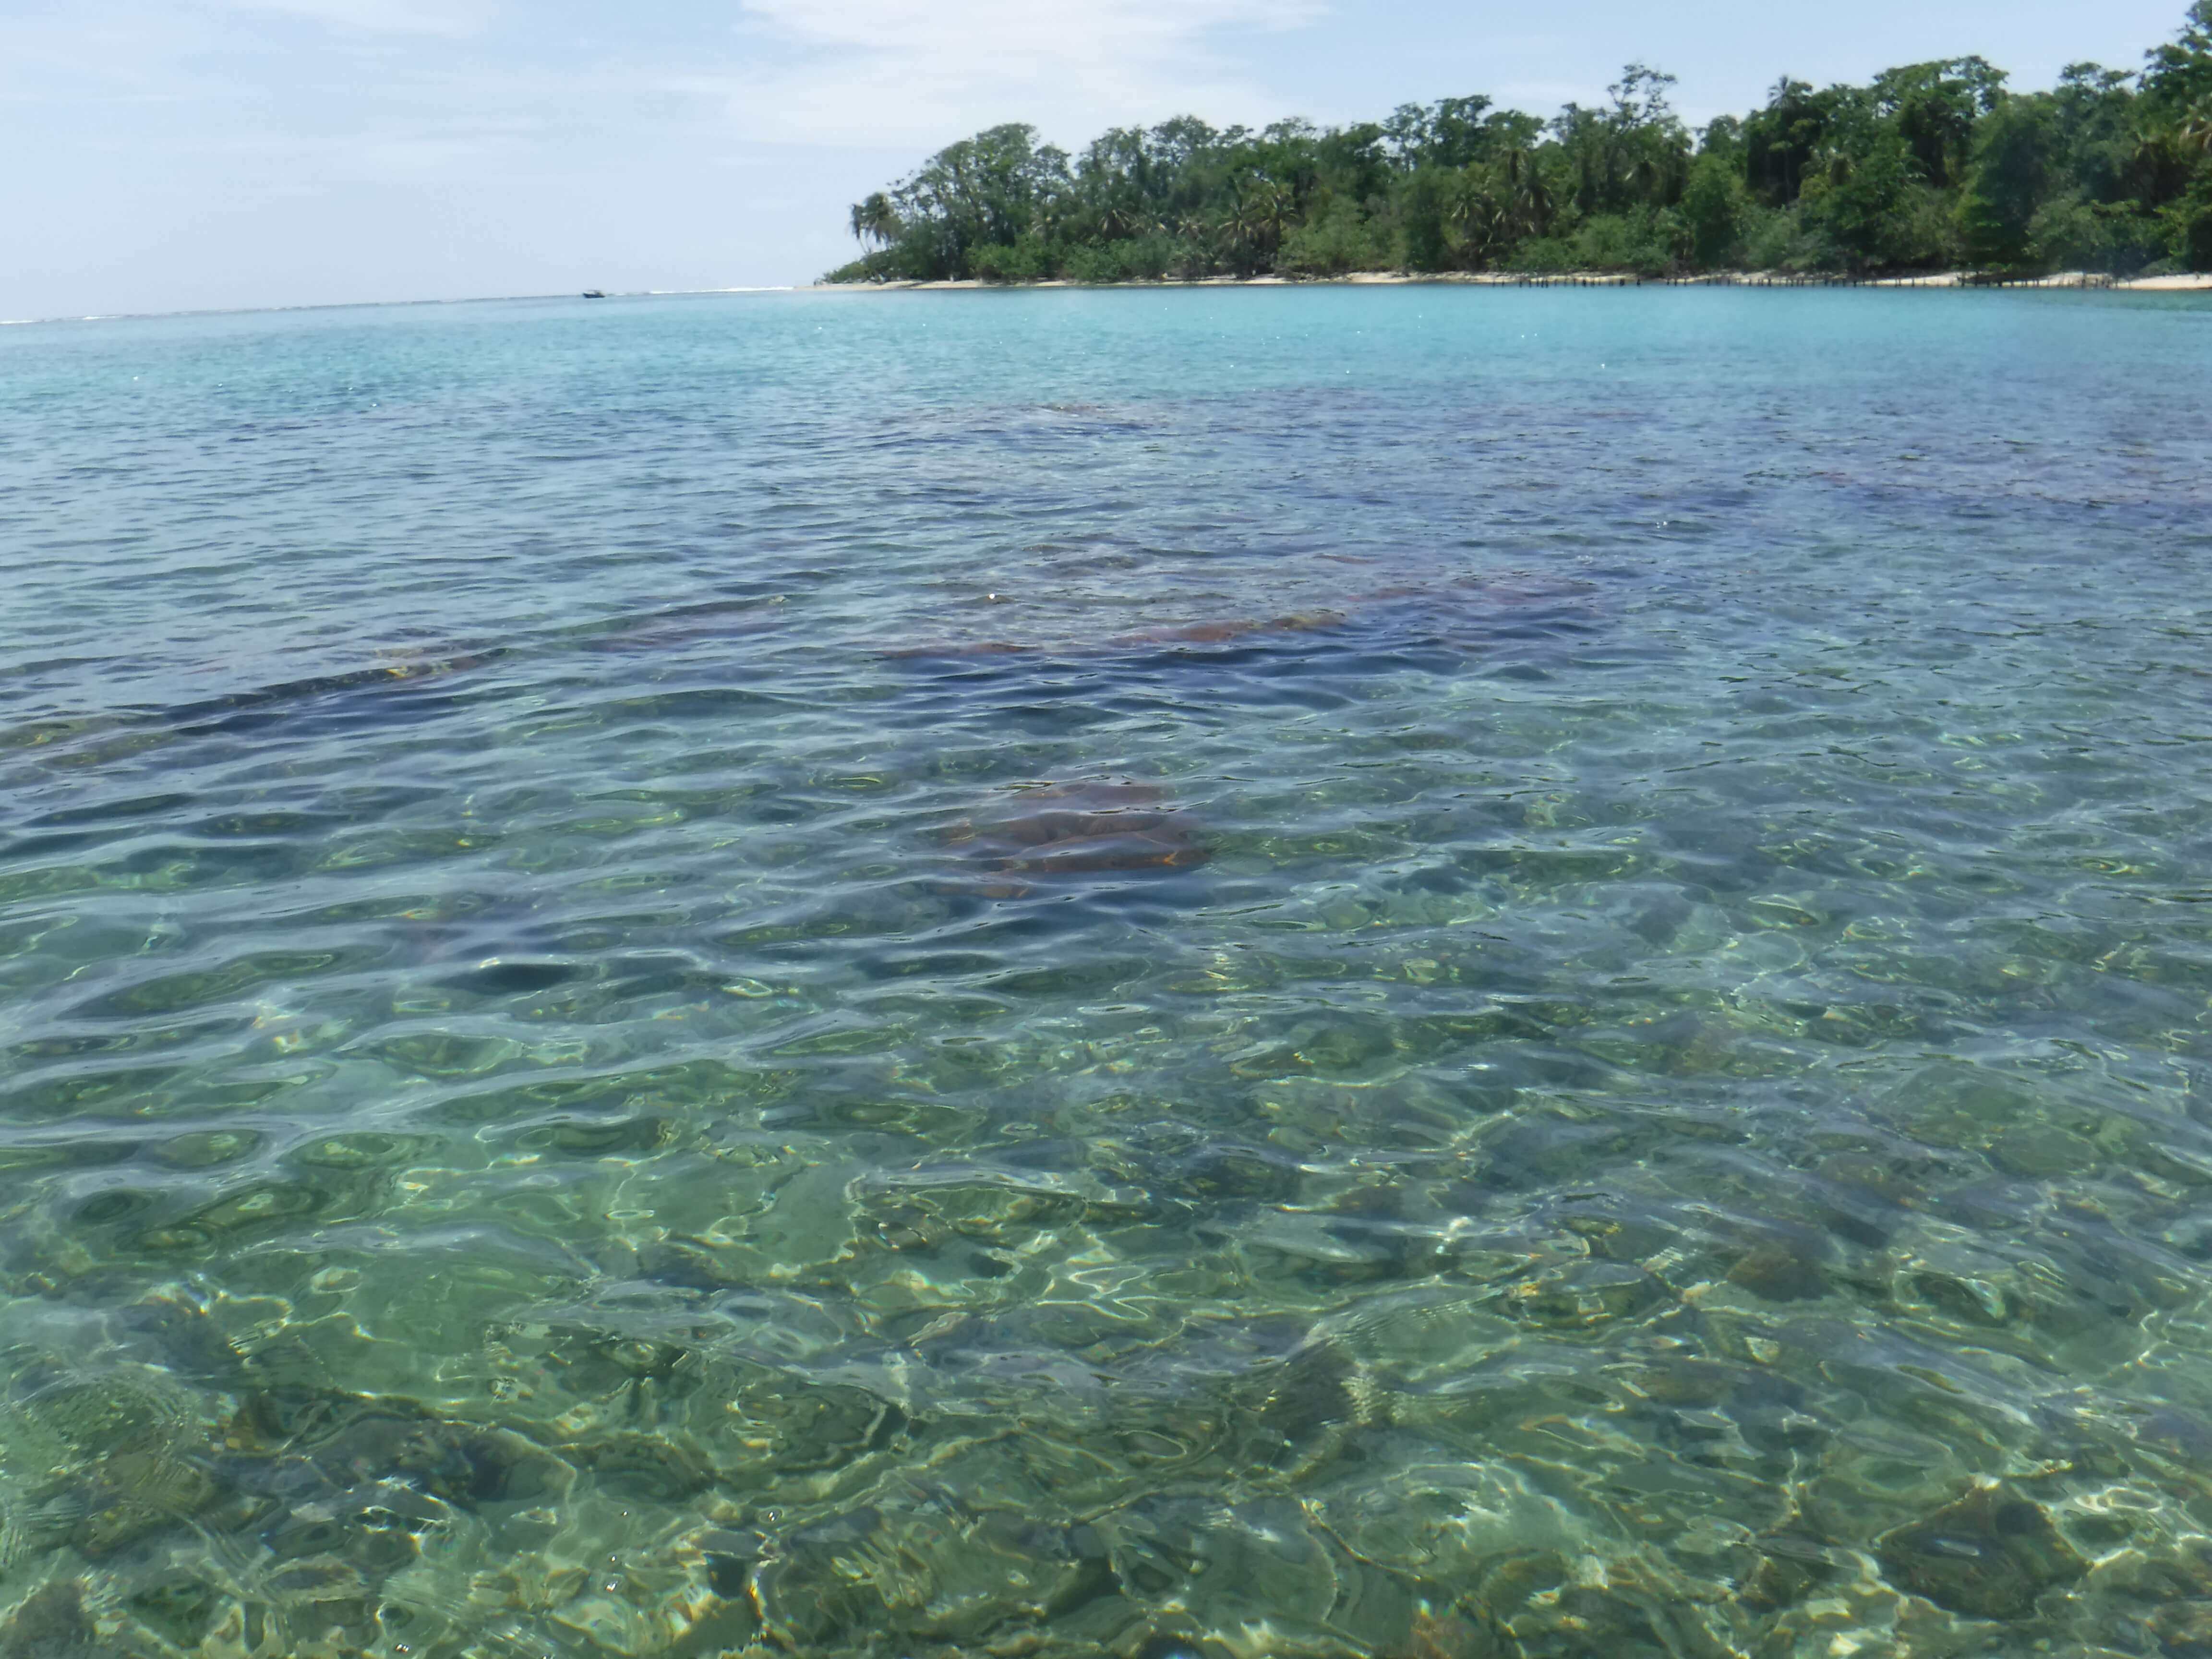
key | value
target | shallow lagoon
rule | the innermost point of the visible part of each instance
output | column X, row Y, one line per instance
column 1423, row 972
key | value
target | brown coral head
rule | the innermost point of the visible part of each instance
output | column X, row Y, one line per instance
column 1089, row 827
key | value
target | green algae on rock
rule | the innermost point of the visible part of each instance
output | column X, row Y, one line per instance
column 1991, row 1555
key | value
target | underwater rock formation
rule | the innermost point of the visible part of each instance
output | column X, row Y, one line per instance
column 1089, row 828
column 1990, row 1555
column 50, row 1623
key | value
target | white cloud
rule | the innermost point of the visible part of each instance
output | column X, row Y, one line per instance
column 381, row 16
column 925, row 72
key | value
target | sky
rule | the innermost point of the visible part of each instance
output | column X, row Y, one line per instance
column 187, row 155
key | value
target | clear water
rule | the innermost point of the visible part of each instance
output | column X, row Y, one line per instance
column 1434, row 973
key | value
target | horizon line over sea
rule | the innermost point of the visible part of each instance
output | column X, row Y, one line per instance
column 2183, row 282
column 366, row 305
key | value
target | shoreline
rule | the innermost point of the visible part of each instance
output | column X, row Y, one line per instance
column 2188, row 283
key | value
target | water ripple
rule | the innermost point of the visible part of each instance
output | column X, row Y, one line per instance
column 1526, row 975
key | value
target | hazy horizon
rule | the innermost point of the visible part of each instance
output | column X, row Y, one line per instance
column 221, row 155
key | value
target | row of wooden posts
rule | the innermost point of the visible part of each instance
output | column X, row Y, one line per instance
column 1970, row 279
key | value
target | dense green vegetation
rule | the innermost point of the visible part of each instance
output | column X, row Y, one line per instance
column 1931, row 167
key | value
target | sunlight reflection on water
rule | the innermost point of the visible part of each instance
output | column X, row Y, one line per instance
column 1151, row 973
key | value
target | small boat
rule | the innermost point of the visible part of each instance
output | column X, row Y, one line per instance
column 595, row 294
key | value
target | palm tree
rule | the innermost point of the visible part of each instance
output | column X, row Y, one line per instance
column 2158, row 164
column 2194, row 130
column 1119, row 219
column 875, row 221
column 1480, row 219
column 1531, row 203
column 1257, row 219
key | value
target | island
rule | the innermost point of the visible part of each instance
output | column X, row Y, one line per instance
column 1936, row 168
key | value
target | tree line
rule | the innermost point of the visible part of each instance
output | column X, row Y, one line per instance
column 1932, row 166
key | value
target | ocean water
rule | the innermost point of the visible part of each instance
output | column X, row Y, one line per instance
column 1446, row 974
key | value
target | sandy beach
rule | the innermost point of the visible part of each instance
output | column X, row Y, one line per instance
column 2192, row 282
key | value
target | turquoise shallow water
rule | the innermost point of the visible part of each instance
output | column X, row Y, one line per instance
column 1450, row 974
